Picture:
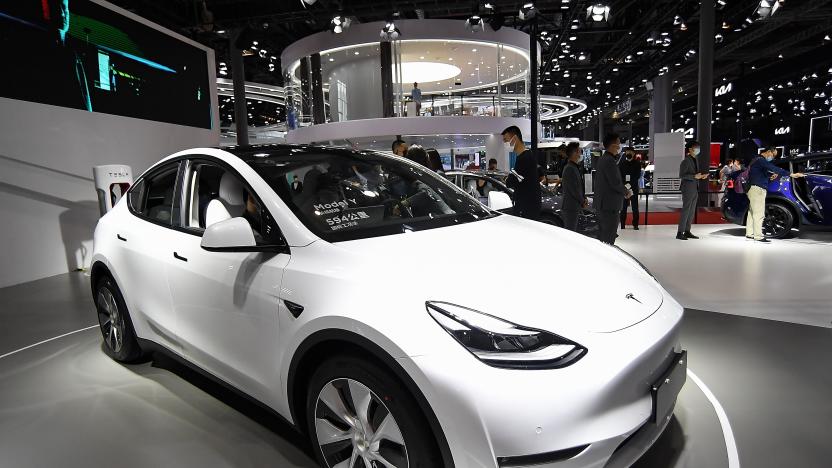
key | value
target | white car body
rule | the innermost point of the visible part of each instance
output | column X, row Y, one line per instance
column 225, row 312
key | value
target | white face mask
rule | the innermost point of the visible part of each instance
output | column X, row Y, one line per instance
column 510, row 144
column 696, row 151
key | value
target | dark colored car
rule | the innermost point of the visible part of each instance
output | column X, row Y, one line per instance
column 494, row 180
column 791, row 203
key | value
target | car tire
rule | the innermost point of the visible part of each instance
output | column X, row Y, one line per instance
column 120, row 342
column 338, row 431
column 779, row 221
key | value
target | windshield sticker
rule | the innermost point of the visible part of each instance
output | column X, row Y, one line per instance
column 333, row 207
column 352, row 218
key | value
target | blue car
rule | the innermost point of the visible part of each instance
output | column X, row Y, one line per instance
column 792, row 204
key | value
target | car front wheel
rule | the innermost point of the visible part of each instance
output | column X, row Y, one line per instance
column 359, row 415
column 779, row 221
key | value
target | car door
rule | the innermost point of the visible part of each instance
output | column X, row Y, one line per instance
column 819, row 187
column 227, row 302
column 145, row 234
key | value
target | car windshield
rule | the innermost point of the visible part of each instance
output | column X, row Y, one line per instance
column 354, row 195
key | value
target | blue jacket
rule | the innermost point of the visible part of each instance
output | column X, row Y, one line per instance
column 759, row 172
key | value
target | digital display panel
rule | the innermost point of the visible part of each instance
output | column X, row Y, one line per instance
column 82, row 55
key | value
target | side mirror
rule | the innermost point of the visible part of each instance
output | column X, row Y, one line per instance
column 231, row 235
column 499, row 200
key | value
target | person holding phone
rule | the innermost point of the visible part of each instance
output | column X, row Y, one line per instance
column 689, row 175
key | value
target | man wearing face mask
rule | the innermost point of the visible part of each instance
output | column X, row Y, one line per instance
column 524, row 177
column 760, row 172
column 630, row 174
column 689, row 175
column 572, row 184
column 610, row 192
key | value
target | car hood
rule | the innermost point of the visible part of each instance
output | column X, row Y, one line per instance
column 525, row 272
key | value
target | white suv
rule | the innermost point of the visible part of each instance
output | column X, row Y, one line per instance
column 331, row 286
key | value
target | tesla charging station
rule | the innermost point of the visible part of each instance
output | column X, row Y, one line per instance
column 111, row 183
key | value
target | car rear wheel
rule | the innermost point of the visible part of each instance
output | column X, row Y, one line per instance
column 120, row 341
column 779, row 221
column 359, row 416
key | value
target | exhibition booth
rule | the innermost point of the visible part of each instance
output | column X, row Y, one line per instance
column 214, row 258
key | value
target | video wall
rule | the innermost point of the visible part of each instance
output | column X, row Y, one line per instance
column 81, row 55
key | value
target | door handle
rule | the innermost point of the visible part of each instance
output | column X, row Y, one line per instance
column 118, row 236
column 294, row 309
column 179, row 257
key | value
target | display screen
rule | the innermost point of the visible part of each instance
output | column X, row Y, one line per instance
column 81, row 55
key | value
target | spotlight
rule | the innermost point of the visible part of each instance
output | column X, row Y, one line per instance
column 598, row 13
column 307, row 2
column 390, row 32
column 339, row 24
column 474, row 23
column 527, row 12
column 719, row 38
column 767, row 8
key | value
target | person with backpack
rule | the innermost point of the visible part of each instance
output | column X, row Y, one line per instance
column 760, row 172
column 690, row 176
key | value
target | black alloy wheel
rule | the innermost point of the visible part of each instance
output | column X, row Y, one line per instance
column 779, row 221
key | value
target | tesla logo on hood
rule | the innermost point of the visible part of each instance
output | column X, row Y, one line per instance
column 631, row 296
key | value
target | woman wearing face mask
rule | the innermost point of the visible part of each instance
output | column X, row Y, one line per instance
column 760, row 172
column 690, row 191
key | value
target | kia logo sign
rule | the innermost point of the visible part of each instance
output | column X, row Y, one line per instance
column 782, row 130
column 687, row 131
column 723, row 90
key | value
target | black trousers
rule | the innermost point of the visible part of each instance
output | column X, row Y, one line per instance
column 607, row 226
column 634, row 202
column 690, row 198
column 570, row 219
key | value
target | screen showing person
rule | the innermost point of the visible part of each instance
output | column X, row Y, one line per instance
column 82, row 55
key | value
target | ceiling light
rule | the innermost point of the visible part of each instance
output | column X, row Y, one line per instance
column 527, row 11
column 390, row 32
column 339, row 24
column 474, row 23
column 598, row 13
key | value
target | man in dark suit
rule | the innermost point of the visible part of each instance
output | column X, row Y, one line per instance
column 610, row 192
column 524, row 178
column 572, row 185
column 630, row 174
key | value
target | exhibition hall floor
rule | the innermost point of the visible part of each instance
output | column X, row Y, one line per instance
column 756, row 395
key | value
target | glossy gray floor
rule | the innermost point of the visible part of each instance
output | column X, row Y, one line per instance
column 64, row 403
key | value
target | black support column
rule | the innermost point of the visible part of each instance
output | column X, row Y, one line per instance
column 386, row 51
column 305, row 90
column 238, row 76
column 706, row 89
column 534, row 94
column 318, row 109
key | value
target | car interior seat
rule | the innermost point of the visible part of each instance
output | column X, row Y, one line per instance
column 229, row 203
column 162, row 211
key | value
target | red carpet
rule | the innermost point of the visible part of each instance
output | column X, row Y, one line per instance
column 703, row 216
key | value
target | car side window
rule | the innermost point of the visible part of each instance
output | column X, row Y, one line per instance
column 214, row 193
column 153, row 197
column 819, row 166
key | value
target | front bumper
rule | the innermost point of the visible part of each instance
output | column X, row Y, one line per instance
column 603, row 403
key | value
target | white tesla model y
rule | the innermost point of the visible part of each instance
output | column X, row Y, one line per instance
column 387, row 314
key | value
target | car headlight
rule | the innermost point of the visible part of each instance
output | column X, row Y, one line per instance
column 500, row 343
